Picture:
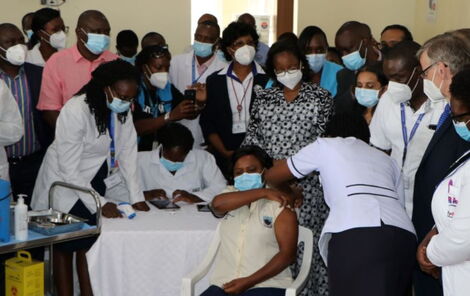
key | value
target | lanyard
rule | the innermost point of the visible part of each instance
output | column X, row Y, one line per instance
column 406, row 139
column 194, row 79
column 112, row 148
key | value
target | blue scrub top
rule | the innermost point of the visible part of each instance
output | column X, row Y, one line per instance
column 328, row 77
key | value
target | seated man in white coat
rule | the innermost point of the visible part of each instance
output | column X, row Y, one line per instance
column 176, row 171
column 195, row 66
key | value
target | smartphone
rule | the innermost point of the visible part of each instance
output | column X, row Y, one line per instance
column 190, row 94
column 164, row 204
column 203, row 208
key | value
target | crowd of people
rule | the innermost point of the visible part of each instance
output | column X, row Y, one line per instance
column 365, row 143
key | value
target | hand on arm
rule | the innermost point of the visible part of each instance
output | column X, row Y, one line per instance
column 286, row 231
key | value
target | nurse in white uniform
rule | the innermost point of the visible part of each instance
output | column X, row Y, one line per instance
column 94, row 127
column 11, row 126
column 368, row 240
column 447, row 245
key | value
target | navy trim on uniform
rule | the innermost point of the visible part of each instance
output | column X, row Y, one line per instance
column 368, row 185
column 293, row 165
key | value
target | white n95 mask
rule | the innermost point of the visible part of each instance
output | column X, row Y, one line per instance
column 432, row 91
column 290, row 80
column 401, row 92
column 245, row 54
column 57, row 40
column 15, row 55
column 159, row 79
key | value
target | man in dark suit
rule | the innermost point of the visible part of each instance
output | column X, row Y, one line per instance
column 24, row 80
column 441, row 58
column 357, row 48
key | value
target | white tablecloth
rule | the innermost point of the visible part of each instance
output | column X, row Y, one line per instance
column 150, row 254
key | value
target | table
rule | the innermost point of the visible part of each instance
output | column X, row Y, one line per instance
column 150, row 254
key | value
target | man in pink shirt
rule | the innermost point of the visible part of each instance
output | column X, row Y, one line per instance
column 67, row 71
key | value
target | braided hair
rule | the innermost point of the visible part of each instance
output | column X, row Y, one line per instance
column 104, row 76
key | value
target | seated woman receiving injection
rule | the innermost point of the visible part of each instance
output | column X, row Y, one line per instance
column 258, row 232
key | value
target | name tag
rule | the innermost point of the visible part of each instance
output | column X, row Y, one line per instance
column 113, row 180
column 239, row 128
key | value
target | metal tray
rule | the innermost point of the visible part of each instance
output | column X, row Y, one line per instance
column 51, row 222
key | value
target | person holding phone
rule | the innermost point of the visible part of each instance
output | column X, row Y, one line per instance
column 178, row 172
column 159, row 101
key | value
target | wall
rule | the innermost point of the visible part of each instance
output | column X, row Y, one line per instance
column 170, row 18
column 173, row 18
column 451, row 15
column 331, row 14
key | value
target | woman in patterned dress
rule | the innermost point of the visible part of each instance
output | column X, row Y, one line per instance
column 284, row 119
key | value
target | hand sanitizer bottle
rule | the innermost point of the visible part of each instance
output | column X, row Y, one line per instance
column 21, row 219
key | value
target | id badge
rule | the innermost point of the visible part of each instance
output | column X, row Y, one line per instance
column 407, row 182
column 113, row 180
column 239, row 128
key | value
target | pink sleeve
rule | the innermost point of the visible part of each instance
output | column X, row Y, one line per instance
column 51, row 94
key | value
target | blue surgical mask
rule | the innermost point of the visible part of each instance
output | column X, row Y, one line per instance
column 117, row 105
column 221, row 55
column 367, row 97
column 248, row 181
column 462, row 130
column 202, row 50
column 97, row 43
column 171, row 166
column 316, row 61
column 354, row 61
column 130, row 60
column 29, row 34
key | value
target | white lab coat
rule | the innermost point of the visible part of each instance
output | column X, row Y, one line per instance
column 386, row 134
column 362, row 185
column 11, row 126
column 77, row 154
column 199, row 175
column 181, row 76
column 450, row 249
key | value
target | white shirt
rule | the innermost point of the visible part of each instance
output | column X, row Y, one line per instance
column 77, row 154
column 181, row 75
column 240, row 94
column 247, row 243
column 199, row 175
column 387, row 134
column 361, row 185
column 34, row 56
column 11, row 126
column 450, row 249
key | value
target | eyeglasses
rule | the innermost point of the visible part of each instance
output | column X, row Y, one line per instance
column 423, row 73
column 290, row 71
column 454, row 117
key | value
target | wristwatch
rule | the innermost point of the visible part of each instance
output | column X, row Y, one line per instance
column 167, row 116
